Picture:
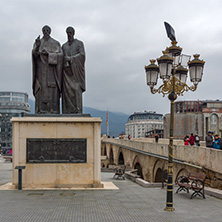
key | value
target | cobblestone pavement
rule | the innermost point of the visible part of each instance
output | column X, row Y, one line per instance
column 5, row 172
column 128, row 204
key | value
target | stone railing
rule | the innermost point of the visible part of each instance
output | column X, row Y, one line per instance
column 202, row 156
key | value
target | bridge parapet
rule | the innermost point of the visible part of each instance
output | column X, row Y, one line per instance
column 207, row 158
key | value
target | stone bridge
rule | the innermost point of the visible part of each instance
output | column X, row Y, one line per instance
column 150, row 159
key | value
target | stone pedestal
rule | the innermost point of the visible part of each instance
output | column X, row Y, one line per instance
column 57, row 174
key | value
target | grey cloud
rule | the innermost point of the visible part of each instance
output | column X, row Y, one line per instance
column 120, row 37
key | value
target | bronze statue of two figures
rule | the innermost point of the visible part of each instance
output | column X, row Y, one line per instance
column 58, row 71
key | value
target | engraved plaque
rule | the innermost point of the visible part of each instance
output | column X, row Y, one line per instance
column 56, row 150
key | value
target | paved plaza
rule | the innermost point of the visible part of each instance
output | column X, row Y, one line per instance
column 128, row 204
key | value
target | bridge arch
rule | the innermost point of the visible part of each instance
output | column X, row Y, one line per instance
column 159, row 169
column 120, row 157
column 138, row 166
column 111, row 158
column 158, row 176
column 105, row 151
column 181, row 172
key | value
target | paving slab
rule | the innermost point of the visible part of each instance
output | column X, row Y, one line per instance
column 130, row 203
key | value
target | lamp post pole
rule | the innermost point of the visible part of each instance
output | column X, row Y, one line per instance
column 169, row 202
column 174, row 74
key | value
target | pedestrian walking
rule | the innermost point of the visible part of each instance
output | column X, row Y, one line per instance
column 217, row 142
column 191, row 139
column 197, row 140
column 156, row 138
column 209, row 139
column 186, row 140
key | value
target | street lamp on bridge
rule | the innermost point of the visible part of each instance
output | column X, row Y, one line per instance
column 172, row 68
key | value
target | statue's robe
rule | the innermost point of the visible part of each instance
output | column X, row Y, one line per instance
column 73, row 77
column 47, row 76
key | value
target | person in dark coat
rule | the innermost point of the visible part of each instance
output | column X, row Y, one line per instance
column 156, row 138
column 220, row 142
column 191, row 139
column 209, row 140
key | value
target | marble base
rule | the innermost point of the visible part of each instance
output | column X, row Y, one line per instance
column 57, row 175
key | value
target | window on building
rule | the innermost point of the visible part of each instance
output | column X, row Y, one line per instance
column 5, row 98
column 214, row 123
column 4, row 93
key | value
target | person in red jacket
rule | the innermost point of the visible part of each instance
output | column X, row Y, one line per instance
column 186, row 140
column 191, row 139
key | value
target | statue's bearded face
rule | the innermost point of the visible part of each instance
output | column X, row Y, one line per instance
column 70, row 33
column 46, row 31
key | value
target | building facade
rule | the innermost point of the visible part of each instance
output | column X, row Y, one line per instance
column 197, row 117
column 12, row 104
column 142, row 123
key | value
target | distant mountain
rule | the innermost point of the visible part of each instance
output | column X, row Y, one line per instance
column 32, row 104
column 117, row 120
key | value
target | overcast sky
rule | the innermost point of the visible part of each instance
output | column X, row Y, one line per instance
column 120, row 37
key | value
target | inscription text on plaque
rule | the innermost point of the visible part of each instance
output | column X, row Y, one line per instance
column 56, row 150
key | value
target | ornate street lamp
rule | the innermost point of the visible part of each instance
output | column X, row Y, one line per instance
column 173, row 71
column 152, row 71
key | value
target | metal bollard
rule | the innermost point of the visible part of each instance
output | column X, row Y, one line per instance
column 20, row 168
